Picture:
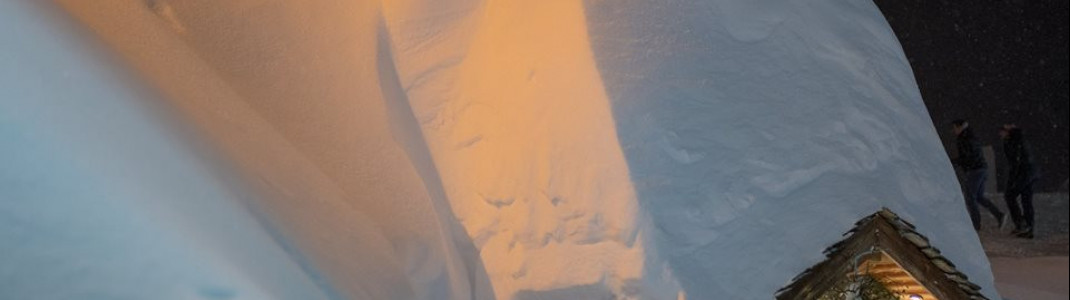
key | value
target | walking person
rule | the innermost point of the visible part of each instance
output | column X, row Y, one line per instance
column 1021, row 174
column 972, row 162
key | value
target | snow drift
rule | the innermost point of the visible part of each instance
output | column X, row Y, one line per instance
column 339, row 182
column 465, row 149
column 756, row 132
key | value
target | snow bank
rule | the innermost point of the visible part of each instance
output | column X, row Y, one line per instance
column 754, row 133
column 338, row 187
column 512, row 105
column 587, row 149
column 101, row 198
column 757, row 132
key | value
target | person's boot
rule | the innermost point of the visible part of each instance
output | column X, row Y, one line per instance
column 1004, row 220
column 1019, row 230
column 1026, row 234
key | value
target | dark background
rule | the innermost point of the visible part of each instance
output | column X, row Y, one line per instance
column 992, row 62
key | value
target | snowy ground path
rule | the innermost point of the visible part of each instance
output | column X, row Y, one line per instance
column 1052, row 233
column 1036, row 269
column 1031, row 278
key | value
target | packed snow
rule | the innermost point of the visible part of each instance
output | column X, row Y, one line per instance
column 100, row 198
column 455, row 149
column 1032, row 278
column 796, row 123
column 353, row 209
column 1032, row 269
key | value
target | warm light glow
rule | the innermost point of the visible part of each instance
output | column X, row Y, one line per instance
column 896, row 278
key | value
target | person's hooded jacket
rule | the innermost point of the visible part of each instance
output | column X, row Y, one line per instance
column 1021, row 168
column 970, row 155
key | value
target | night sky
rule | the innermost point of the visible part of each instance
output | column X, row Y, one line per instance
column 992, row 62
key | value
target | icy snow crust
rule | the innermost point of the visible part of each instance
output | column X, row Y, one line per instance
column 459, row 149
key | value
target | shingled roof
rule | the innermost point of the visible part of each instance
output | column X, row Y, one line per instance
column 887, row 234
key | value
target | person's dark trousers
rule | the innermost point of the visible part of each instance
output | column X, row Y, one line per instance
column 1021, row 211
column 975, row 194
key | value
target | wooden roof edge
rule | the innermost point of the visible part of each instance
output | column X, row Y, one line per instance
column 952, row 276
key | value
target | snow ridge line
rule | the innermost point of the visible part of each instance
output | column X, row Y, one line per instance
column 406, row 131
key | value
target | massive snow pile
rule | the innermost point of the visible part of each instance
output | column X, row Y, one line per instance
column 423, row 149
column 343, row 193
column 756, row 132
column 101, row 199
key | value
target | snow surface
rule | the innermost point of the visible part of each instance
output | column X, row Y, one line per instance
column 349, row 211
column 1032, row 278
column 459, row 149
column 100, row 199
column 755, row 142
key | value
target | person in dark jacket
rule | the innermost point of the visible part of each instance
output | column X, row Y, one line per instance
column 972, row 162
column 1021, row 174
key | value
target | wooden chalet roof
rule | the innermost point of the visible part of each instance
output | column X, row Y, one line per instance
column 898, row 239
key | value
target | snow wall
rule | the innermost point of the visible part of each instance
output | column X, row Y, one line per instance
column 456, row 149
